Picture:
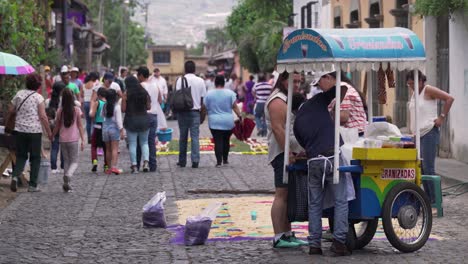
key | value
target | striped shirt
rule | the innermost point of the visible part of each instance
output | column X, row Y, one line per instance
column 352, row 102
column 262, row 91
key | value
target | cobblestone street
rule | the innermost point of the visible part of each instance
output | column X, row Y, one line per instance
column 100, row 222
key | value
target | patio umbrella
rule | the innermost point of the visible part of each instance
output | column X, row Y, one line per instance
column 14, row 65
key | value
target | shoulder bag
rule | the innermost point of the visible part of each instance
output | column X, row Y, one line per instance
column 10, row 121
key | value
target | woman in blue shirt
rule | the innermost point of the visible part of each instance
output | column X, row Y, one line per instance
column 219, row 103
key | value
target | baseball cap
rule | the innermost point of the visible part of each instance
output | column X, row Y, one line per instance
column 75, row 69
column 318, row 75
column 64, row 69
column 108, row 76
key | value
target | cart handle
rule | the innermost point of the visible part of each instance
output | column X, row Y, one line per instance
column 351, row 168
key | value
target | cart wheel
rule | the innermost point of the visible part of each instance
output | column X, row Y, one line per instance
column 365, row 231
column 407, row 217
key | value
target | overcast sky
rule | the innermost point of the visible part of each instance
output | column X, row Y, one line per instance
column 183, row 22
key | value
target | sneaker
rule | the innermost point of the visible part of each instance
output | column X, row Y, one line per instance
column 194, row 165
column 116, row 171
column 33, row 189
column 66, row 184
column 285, row 242
column 340, row 249
column 301, row 242
column 145, row 166
column 225, row 162
column 95, row 164
column 13, row 185
column 134, row 169
column 218, row 165
column 182, row 165
column 106, row 168
column 54, row 171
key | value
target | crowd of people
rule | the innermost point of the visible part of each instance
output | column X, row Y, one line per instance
column 134, row 107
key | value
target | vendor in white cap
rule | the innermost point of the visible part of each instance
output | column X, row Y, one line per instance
column 74, row 79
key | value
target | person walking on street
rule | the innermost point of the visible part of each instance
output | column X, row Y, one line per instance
column 190, row 120
column 96, row 137
column 135, row 104
column 112, row 130
column 53, row 104
column 161, row 83
column 249, row 100
column 69, row 126
column 30, row 121
column 156, row 99
column 261, row 91
column 220, row 103
column 87, row 92
column 430, row 123
column 74, row 72
column 276, row 106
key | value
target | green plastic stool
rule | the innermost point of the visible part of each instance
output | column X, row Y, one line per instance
column 434, row 180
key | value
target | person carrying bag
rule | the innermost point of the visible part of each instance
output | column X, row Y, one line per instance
column 182, row 99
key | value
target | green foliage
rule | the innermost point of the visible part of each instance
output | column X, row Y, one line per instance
column 439, row 7
column 116, row 20
column 21, row 34
column 256, row 26
column 197, row 50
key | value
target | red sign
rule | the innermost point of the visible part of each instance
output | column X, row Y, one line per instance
column 398, row 173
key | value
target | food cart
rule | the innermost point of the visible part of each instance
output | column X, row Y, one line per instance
column 386, row 180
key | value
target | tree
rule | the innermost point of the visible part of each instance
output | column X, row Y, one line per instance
column 22, row 32
column 440, row 7
column 124, row 36
column 256, row 27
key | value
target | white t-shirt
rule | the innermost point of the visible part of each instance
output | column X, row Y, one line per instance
column 27, row 118
column 198, row 88
column 161, row 84
column 153, row 92
column 113, row 86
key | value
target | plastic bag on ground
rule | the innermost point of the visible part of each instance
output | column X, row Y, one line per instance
column 153, row 211
column 44, row 172
column 197, row 228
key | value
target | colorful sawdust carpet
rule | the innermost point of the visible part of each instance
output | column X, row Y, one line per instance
column 248, row 147
column 234, row 221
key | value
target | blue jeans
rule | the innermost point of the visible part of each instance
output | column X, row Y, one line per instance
column 153, row 127
column 143, row 143
column 260, row 117
column 317, row 170
column 189, row 121
column 54, row 153
column 429, row 144
column 89, row 123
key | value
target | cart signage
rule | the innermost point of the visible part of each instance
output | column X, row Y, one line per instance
column 398, row 173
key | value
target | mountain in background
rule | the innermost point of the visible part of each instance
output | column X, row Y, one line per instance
column 183, row 22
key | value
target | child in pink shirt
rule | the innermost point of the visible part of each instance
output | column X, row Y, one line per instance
column 68, row 124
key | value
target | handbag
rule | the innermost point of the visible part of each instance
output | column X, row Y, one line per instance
column 298, row 194
column 10, row 121
column 182, row 99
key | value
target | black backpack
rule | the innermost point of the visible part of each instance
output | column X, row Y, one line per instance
column 182, row 99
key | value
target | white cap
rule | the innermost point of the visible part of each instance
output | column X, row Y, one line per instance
column 75, row 69
column 64, row 68
column 275, row 77
column 318, row 75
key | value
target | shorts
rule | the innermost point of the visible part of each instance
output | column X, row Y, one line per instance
column 110, row 132
column 278, row 169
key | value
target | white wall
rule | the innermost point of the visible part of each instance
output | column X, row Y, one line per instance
column 430, row 45
column 297, row 10
column 458, row 28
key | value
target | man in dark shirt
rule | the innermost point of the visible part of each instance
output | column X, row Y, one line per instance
column 314, row 130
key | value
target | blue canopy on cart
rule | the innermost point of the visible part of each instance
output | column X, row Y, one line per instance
column 360, row 49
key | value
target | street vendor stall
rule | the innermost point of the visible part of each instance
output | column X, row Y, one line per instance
column 386, row 180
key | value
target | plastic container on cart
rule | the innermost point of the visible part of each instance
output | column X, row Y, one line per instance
column 372, row 143
column 407, row 142
column 386, row 142
column 379, row 119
